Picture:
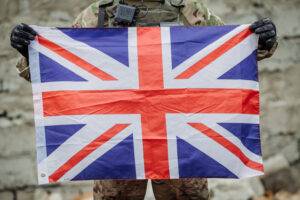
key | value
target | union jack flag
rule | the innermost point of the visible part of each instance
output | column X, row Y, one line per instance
column 146, row 103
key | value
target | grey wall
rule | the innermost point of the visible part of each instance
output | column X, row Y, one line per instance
column 280, row 100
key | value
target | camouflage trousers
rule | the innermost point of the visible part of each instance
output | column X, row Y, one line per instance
column 182, row 189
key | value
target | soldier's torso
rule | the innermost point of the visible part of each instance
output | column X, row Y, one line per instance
column 151, row 13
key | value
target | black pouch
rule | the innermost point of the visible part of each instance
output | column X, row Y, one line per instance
column 125, row 14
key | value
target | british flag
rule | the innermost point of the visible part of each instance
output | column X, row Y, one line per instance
column 146, row 103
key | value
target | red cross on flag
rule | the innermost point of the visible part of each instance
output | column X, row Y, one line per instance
column 146, row 103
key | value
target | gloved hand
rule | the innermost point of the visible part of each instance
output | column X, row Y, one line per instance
column 266, row 30
column 20, row 38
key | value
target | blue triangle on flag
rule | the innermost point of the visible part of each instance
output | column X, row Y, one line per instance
column 117, row 163
column 58, row 134
column 52, row 71
column 112, row 41
column 245, row 70
column 194, row 163
column 247, row 133
column 185, row 42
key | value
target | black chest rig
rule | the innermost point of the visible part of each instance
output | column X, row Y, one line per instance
column 125, row 13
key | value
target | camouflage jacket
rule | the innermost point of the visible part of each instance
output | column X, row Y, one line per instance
column 185, row 12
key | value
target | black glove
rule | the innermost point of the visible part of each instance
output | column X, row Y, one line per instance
column 20, row 38
column 266, row 30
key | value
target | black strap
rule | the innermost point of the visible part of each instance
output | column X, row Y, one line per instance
column 101, row 16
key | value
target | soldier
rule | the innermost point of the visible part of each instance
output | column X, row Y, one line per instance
column 104, row 13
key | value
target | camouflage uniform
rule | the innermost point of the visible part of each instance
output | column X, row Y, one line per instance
column 185, row 12
column 182, row 189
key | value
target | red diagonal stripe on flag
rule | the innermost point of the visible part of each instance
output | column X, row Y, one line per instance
column 188, row 73
column 75, row 59
column 228, row 145
column 85, row 151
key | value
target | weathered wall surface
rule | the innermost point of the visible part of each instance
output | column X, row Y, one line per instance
column 17, row 141
column 280, row 98
column 280, row 101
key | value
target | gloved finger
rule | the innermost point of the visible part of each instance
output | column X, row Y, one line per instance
column 265, row 28
column 256, row 24
column 13, row 32
column 270, row 43
column 260, row 23
column 266, row 35
column 23, row 49
column 16, row 46
column 20, row 41
column 28, row 29
column 24, row 35
column 13, row 38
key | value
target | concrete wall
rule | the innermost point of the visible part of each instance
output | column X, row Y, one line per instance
column 280, row 98
column 280, row 101
column 17, row 140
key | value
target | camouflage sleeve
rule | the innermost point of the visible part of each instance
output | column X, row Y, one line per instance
column 88, row 18
column 262, row 54
column 23, row 68
column 196, row 13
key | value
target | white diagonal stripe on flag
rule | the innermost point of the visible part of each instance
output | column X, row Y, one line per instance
column 228, row 60
column 96, row 154
column 86, row 52
column 205, row 51
column 213, row 149
column 182, row 130
column 211, row 121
